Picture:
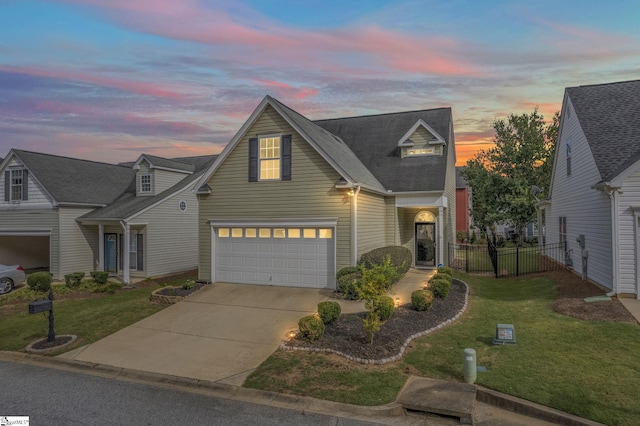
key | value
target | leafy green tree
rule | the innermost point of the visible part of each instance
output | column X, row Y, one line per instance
column 502, row 177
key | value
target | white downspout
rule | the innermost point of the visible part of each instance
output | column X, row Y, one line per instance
column 613, row 196
column 440, row 235
column 125, row 255
column 354, row 223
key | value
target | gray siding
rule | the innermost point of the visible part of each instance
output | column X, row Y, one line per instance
column 371, row 222
column 628, row 233
column 310, row 193
column 587, row 210
column 392, row 230
column 35, row 220
column 37, row 196
column 171, row 236
column 164, row 179
column 78, row 243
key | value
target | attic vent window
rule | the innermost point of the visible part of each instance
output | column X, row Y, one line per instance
column 420, row 151
column 182, row 206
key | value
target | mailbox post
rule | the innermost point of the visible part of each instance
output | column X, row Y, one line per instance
column 43, row 305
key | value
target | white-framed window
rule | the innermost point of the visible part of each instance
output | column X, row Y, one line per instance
column 223, row 232
column 145, row 183
column 16, row 185
column 250, row 233
column 269, row 158
column 182, row 206
column 420, row 151
column 325, row 233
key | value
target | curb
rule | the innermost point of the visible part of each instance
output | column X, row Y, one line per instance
column 530, row 409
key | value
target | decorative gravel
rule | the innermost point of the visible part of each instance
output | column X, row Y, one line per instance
column 346, row 336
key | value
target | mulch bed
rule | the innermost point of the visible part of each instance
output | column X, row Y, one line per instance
column 572, row 291
column 59, row 341
column 347, row 336
column 179, row 291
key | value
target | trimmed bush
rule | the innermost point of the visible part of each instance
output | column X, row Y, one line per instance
column 421, row 300
column 347, row 270
column 440, row 288
column 445, row 270
column 385, row 307
column 311, row 327
column 440, row 276
column 100, row 277
column 329, row 311
column 350, row 285
column 39, row 281
column 400, row 258
column 73, row 279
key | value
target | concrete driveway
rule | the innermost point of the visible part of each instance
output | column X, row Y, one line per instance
column 221, row 333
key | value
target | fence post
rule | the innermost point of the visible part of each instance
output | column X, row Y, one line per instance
column 517, row 261
column 466, row 259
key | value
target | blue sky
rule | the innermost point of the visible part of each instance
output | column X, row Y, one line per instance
column 108, row 80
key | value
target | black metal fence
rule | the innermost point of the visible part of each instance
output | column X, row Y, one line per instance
column 506, row 261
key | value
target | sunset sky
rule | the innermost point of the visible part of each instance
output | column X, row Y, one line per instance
column 109, row 80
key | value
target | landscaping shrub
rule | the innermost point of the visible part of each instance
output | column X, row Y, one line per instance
column 441, row 276
column 440, row 288
column 445, row 270
column 350, row 284
column 329, row 311
column 347, row 270
column 188, row 284
column 311, row 327
column 73, row 279
column 100, row 277
column 384, row 308
column 39, row 281
column 421, row 300
column 400, row 258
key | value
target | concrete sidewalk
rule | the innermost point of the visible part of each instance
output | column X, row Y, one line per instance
column 632, row 305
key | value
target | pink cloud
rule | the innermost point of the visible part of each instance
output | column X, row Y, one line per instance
column 287, row 91
column 129, row 86
column 265, row 42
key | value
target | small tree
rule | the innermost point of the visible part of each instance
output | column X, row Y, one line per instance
column 376, row 280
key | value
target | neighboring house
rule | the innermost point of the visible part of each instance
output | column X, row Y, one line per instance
column 594, row 202
column 291, row 201
column 69, row 215
column 463, row 202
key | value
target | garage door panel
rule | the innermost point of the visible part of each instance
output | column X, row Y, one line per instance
column 299, row 262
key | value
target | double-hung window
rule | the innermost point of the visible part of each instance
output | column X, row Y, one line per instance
column 16, row 184
column 270, row 158
column 568, row 143
column 269, row 163
column 145, row 184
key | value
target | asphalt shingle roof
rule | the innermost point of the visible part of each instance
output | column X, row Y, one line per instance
column 66, row 179
column 374, row 140
column 128, row 204
column 609, row 115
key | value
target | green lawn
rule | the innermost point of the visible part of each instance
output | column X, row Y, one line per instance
column 586, row 368
column 91, row 316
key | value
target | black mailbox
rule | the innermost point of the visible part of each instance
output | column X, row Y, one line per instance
column 40, row 306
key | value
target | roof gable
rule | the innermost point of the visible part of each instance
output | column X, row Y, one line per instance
column 609, row 115
column 174, row 165
column 329, row 146
column 405, row 141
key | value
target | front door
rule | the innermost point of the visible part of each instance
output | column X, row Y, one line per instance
column 426, row 244
column 111, row 252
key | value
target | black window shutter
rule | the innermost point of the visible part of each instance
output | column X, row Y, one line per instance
column 286, row 157
column 140, row 252
column 253, row 160
column 7, row 185
column 25, row 184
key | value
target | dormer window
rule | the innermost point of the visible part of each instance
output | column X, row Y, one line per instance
column 145, row 184
column 420, row 151
column 16, row 185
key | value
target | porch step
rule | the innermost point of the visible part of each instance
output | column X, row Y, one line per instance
column 439, row 397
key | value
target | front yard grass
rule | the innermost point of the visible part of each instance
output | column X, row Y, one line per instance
column 86, row 315
column 587, row 368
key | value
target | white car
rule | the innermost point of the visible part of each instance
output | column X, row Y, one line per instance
column 10, row 276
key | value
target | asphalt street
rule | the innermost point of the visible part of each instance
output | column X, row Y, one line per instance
column 56, row 397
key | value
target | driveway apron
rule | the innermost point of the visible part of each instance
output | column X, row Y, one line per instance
column 221, row 333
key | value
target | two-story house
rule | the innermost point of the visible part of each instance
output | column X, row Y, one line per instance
column 290, row 201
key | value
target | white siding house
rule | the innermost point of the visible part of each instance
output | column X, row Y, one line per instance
column 595, row 185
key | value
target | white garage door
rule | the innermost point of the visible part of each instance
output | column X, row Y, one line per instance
column 283, row 256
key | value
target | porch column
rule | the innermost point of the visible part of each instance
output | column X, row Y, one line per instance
column 441, row 235
column 100, row 247
column 125, row 254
